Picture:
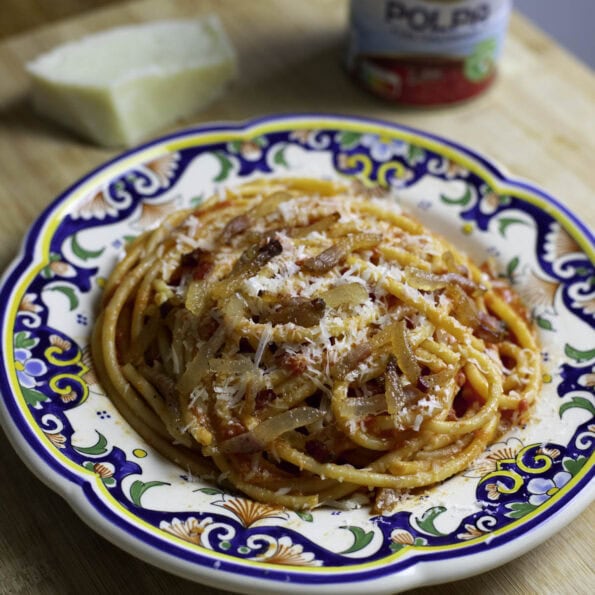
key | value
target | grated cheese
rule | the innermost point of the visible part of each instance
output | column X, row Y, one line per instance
column 264, row 341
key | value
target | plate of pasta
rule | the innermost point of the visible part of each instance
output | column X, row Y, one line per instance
column 306, row 352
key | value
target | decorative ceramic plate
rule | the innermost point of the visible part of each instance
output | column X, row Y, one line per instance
column 522, row 490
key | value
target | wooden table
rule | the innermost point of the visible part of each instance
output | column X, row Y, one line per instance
column 538, row 120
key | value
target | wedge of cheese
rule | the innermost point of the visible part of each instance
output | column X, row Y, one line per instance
column 119, row 86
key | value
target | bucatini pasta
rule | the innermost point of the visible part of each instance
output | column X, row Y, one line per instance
column 304, row 341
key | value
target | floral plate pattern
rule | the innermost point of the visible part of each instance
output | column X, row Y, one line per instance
column 56, row 414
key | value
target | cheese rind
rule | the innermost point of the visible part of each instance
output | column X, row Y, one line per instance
column 119, row 86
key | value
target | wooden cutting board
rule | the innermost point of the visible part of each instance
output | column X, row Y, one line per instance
column 538, row 120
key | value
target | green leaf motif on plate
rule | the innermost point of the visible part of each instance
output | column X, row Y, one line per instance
column 462, row 200
column 544, row 323
column 98, row 448
column 577, row 354
column 582, row 271
column 23, row 340
column 573, row 466
column 279, row 157
column 577, row 403
column 83, row 253
column 361, row 539
column 33, row 397
column 512, row 267
column 210, row 491
column 519, row 509
column 415, row 154
column 505, row 222
column 225, row 164
column 138, row 488
column 235, row 146
column 348, row 139
column 427, row 519
column 69, row 292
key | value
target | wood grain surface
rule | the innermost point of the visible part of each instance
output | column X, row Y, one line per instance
column 538, row 120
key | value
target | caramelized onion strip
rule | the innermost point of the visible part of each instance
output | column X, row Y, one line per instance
column 404, row 352
column 332, row 256
column 427, row 281
column 300, row 311
column 264, row 433
column 349, row 294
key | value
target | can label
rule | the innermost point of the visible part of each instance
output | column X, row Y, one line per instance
column 426, row 52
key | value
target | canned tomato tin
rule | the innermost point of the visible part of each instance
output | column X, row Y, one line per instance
column 426, row 52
